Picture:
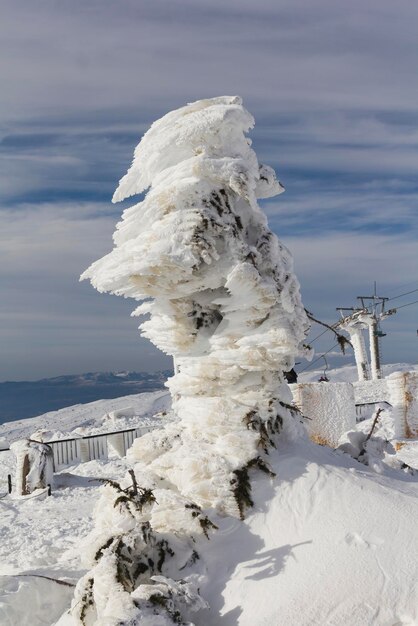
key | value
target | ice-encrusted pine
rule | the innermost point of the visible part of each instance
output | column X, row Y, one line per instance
column 224, row 302
column 221, row 294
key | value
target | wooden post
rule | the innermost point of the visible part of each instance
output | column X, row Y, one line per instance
column 24, row 490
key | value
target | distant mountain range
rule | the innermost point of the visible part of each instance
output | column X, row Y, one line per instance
column 19, row 400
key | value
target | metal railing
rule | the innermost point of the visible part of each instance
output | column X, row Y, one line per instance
column 94, row 447
column 366, row 409
column 74, row 450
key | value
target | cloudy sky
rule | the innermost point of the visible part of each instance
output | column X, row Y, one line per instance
column 333, row 86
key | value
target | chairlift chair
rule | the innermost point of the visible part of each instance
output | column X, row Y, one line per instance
column 324, row 378
column 379, row 332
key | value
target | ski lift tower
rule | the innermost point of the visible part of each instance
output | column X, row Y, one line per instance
column 369, row 315
column 375, row 305
column 354, row 323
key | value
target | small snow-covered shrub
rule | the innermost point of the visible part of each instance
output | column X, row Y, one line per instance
column 175, row 597
column 372, row 443
column 133, row 542
column 374, row 451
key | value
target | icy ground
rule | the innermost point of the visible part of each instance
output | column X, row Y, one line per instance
column 329, row 542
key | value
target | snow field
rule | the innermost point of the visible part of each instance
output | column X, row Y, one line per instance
column 41, row 536
column 328, row 541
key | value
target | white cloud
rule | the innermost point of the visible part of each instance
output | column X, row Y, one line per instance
column 345, row 207
column 333, row 88
column 49, row 322
column 280, row 55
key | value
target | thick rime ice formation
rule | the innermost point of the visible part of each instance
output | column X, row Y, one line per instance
column 223, row 300
column 34, row 465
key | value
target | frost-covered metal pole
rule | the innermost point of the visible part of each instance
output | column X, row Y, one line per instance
column 354, row 325
column 374, row 349
column 360, row 354
column 373, row 317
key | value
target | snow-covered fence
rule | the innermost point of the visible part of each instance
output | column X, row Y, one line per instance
column 330, row 408
column 368, row 391
column 403, row 389
column 68, row 452
column 121, row 441
column 93, row 448
column 365, row 410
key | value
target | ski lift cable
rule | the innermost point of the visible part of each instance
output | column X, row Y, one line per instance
column 334, row 325
column 402, row 294
column 405, row 305
column 318, row 359
column 323, row 333
column 411, row 283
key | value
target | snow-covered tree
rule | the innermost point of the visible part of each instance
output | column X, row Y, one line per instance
column 223, row 301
